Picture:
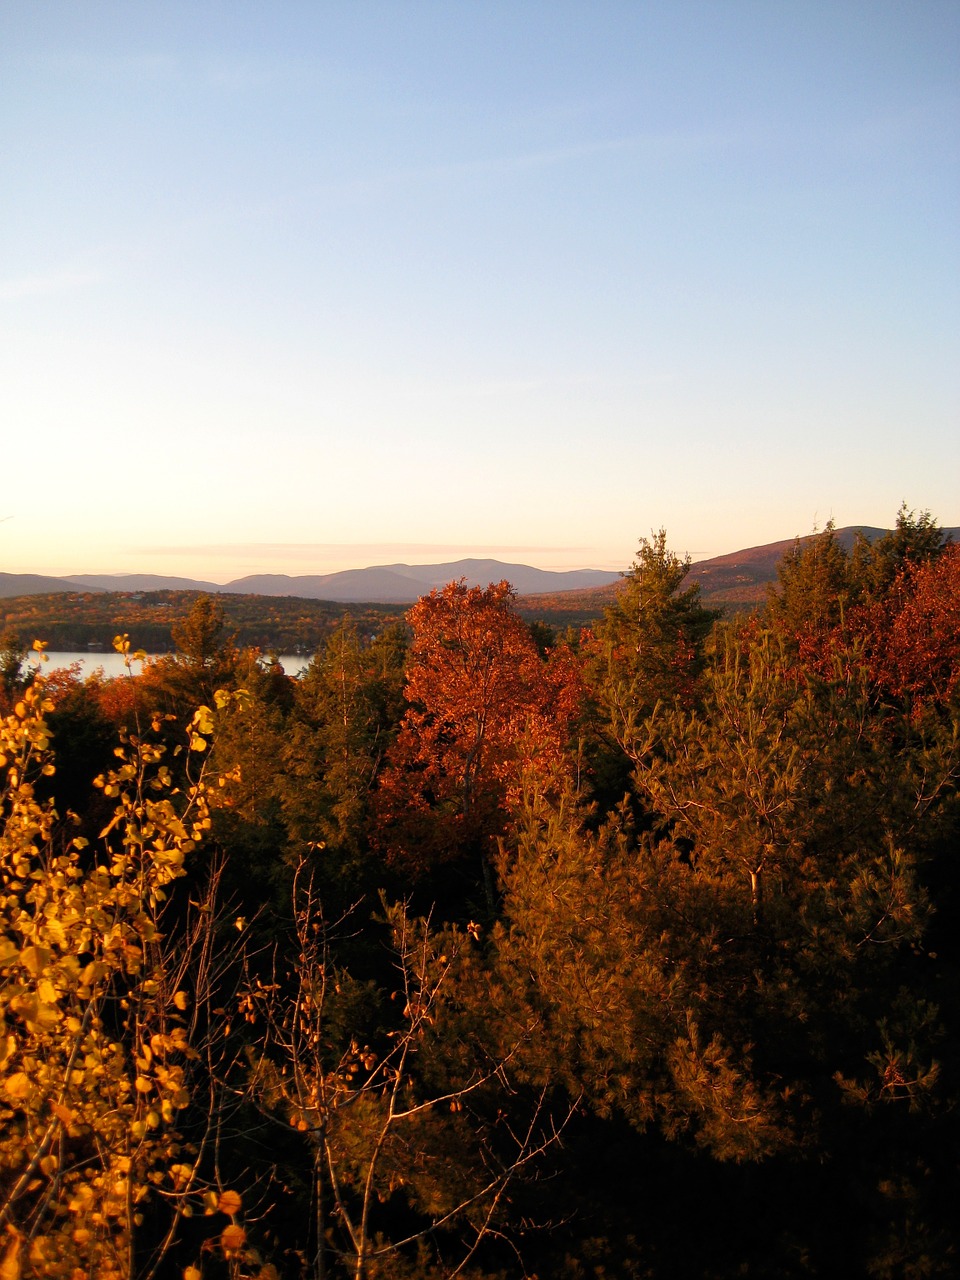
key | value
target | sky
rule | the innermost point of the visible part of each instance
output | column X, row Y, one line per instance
column 297, row 287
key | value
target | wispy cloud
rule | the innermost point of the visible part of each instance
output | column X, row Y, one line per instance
column 652, row 148
column 318, row 550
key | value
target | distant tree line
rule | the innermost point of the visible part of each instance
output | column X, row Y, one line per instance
column 278, row 624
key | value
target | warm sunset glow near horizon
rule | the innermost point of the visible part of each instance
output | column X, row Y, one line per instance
column 303, row 287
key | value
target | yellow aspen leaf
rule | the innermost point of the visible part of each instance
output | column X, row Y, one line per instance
column 34, row 959
column 230, row 1203
column 203, row 719
column 233, row 1238
column 142, row 1084
column 18, row 1086
column 10, row 1263
column 181, row 1000
column 192, row 1273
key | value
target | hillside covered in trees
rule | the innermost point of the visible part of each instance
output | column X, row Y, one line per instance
column 479, row 952
column 78, row 620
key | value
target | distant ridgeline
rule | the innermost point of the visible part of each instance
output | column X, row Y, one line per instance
column 283, row 614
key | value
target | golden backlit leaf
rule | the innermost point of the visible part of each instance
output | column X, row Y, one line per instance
column 229, row 1203
column 18, row 1086
column 233, row 1237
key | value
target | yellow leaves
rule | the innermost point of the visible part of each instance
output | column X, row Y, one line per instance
column 34, row 959
column 229, row 1203
column 189, row 1273
column 8, row 1046
column 19, row 1086
column 233, row 1238
column 38, row 1016
column 92, row 1040
column 202, row 721
column 93, row 972
column 47, row 991
column 10, row 1262
column 182, row 1175
column 82, row 1199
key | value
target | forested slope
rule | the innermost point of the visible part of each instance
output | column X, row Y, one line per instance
column 473, row 952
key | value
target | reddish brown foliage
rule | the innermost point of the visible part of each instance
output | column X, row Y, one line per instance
column 908, row 641
column 484, row 707
column 914, row 636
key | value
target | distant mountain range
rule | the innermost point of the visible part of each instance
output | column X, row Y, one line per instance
column 740, row 577
column 380, row 584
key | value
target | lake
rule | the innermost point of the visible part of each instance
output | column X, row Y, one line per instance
column 113, row 664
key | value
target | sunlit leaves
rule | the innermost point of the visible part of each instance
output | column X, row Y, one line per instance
column 94, row 1047
column 484, row 706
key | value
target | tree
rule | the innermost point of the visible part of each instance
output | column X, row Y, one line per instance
column 398, row 1102
column 348, row 706
column 650, row 645
column 99, row 1009
column 205, row 661
column 613, row 939
column 198, row 635
column 483, row 706
column 813, row 586
column 12, row 654
column 914, row 540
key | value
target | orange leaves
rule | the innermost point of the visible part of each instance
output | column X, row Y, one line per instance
column 922, row 655
column 909, row 640
column 484, row 706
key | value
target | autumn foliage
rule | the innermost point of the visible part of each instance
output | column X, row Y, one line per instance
column 483, row 708
column 319, row 977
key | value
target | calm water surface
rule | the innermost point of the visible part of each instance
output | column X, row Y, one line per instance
column 112, row 664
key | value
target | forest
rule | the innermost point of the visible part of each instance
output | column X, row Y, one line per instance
column 274, row 624
column 484, row 951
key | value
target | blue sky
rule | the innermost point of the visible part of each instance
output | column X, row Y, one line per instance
column 299, row 287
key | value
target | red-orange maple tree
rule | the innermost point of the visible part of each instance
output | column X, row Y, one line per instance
column 915, row 640
column 484, row 707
